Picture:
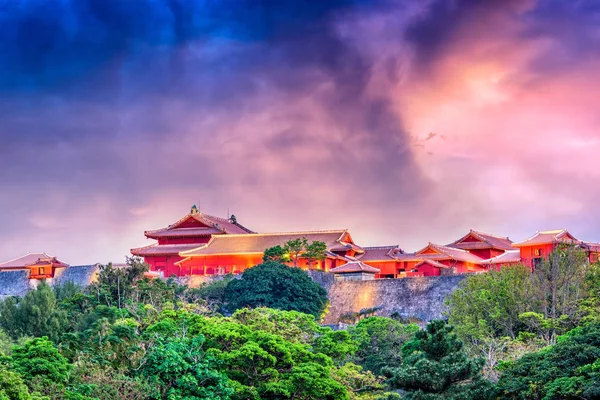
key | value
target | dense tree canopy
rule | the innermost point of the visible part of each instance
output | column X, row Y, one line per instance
column 277, row 286
column 570, row 369
column 436, row 367
column 130, row 338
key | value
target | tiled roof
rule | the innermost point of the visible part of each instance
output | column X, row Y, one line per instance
column 164, row 249
column 433, row 263
column 592, row 246
column 510, row 256
column 485, row 241
column 548, row 237
column 441, row 253
column 183, row 232
column 32, row 259
column 214, row 225
column 255, row 243
column 354, row 266
column 380, row 253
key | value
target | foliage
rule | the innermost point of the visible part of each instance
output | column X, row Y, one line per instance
column 276, row 254
column 293, row 248
column 314, row 251
column 181, row 369
column 437, row 367
column 115, row 284
column 36, row 314
column 560, row 283
column 213, row 292
column 494, row 312
column 277, row 286
column 486, row 312
column 130, row 338
column 379, row 342
column 13, row 387
column 568, row 369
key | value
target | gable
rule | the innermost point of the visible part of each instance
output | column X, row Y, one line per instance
column 346, row 238
column 428, row 250
column 470, row 238
column 190, row 222
column 566, row 236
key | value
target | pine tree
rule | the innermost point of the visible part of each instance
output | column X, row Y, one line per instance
column 437, row 367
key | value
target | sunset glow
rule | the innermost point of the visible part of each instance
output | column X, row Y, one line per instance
column 402, row 121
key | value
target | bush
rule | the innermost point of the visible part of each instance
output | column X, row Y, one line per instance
column 278, row 286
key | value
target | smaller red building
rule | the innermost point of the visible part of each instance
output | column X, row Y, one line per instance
column 383, row 258
column 354, row 271
column 539, row 246
column 436, row 260
column 39, row 265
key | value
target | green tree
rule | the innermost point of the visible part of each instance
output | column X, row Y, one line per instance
column 276, row 254
column 569, row 369
column 293, row 248
column 560, row 281
column 42, row 366
column 115, row 285
column 314, row 252
column 13, row 387
column 183, row 371
column 276, row 285
column 36, row 314
column 436, row 367
column 486, row 312
column 379, row 342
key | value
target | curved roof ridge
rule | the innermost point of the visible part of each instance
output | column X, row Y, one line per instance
column 380, row 247
column 489, row 234
column 448, row 247
column 25, row 255
column 233, row 235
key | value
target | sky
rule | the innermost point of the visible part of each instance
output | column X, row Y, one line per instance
column 404, row 121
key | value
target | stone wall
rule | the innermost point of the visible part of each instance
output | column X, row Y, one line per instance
column 17, row 283
column 421, row 298
column 14, row 283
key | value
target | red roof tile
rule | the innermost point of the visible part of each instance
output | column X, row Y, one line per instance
column 212, row 225
column 255, row 243
column 441, row 253
column 548, row 237
column 30, row 260
column 353, row 267
column 163, row 249
column 432, row 263
column 485, row 241
column 380, row 253
column 509, row 257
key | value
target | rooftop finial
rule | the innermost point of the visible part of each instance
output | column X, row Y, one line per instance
column 194, row 210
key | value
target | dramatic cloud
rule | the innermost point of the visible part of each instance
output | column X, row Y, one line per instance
column 403, row 121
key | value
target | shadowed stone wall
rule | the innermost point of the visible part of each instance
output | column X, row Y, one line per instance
column 421, row 298
column 17, row 283
column 14, row 283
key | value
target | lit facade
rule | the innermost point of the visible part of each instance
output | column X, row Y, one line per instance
column 200, row 244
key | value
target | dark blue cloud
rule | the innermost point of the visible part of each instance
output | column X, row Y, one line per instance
column 47, row 45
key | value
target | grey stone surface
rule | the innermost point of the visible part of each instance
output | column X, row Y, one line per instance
column 14, row 283
column 325, row 279
column 81, row 275
column 421, row 298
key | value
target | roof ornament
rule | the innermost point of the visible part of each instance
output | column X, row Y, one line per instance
column 194, row 210
column 233, row 219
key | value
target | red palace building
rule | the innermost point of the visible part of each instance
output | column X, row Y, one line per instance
column 201, row 244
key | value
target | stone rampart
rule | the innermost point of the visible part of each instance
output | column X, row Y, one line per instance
column 421, row 298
